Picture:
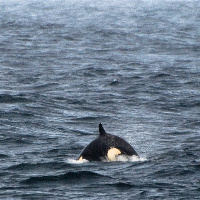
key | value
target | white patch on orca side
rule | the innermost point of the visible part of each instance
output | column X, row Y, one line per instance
column 113, row 153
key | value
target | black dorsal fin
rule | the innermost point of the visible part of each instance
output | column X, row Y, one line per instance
column 101, row 130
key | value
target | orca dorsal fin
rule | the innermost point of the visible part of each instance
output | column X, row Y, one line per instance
column 101, row 130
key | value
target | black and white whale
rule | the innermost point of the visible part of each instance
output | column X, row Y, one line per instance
column 107, row 147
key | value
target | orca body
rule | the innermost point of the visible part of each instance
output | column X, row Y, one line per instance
column 107, row 147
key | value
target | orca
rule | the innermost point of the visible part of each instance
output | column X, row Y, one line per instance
column 106, row 147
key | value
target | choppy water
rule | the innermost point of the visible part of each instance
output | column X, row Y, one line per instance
column 66, row 66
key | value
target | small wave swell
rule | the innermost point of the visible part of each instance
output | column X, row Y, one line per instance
column 121, row 185
column 6, row 98
column 36, row 166
column 70, row 177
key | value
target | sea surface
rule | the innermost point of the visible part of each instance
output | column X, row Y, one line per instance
column 68, row 65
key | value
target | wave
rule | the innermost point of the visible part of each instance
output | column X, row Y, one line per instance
column 37, row 166
column 46, row 85
column 177, row 171
column 121, row 185
column 3, row 155
column 6, row 98
column 161, row 76
column 176, row 133
column 69, row 177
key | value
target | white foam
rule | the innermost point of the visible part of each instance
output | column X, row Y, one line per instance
column 73, row 161
column 123, row 158
column 119, row 158
column 142, row 159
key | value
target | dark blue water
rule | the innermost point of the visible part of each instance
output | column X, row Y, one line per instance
column 66, row 66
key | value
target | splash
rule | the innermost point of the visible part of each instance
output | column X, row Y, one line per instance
column 73, row 161
column 119, row 158
column 142, row 159
column 123, row 158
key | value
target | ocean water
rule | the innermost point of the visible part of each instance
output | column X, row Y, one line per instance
column 66, row 66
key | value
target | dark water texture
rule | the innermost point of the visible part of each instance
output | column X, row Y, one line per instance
column 66, row 66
